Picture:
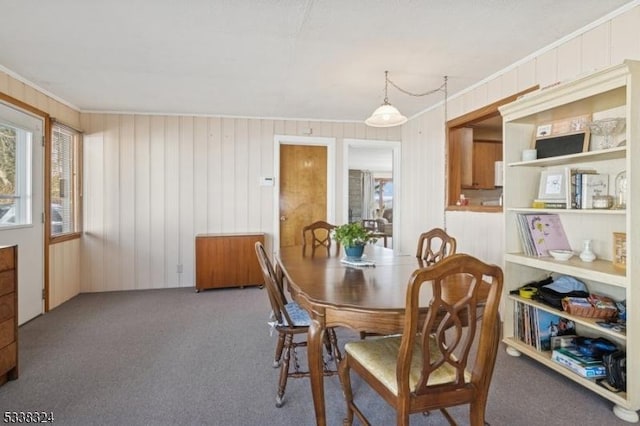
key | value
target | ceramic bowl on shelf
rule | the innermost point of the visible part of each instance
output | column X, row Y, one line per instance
column 561, row 254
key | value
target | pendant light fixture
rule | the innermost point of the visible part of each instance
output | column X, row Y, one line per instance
column 386, row 115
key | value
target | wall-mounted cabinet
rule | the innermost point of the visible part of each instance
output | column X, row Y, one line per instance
column 473, row 159
column 618, row 89
column 480, row 172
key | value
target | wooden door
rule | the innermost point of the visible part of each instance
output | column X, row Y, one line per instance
column 303, row 190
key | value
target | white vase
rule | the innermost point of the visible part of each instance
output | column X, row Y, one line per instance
column 587, row 255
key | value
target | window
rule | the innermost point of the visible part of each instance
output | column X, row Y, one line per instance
column 15, row 170
column 65, row 181
column 384, row 193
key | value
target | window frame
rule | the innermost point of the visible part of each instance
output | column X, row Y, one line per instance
column 76, row 183
column 22, row 205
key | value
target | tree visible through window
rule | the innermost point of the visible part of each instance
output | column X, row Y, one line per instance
column 7, row 168
column 15, row 160
column 65, row 194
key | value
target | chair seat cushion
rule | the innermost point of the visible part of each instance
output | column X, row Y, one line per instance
column 380, row 357
column 299, row 316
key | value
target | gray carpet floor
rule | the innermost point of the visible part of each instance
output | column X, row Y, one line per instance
column 176, row 357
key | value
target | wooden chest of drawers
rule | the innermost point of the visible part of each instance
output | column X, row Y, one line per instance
column 227, row 260
column 8, row 314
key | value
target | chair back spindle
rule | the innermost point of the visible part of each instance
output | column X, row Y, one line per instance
column 446, row 353
column 318, row 234
column 434, row 245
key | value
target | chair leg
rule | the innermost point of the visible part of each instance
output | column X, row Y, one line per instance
column 476, row 413
column 333, row 340
column 447, row 416
column 284, row 370
column 402, row 419
column 279, row 346
column 345, row 380
column 327, row 343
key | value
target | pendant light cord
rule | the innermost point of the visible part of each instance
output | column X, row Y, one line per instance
column 443, row 87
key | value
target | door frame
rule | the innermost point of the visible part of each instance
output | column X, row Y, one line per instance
column 395, row 147
column 43, row 247
column 328, row 142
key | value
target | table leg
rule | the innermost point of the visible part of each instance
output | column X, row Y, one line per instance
column 314, row 354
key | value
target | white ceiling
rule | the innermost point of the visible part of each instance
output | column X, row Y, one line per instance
column 308, row 59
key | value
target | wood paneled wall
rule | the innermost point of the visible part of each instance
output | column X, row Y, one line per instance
column 423, row 138
column 154, row 182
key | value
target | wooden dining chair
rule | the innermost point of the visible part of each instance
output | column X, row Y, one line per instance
column 290, row 320
column 372, row 225
column 435, row 245
column 446, row 353
column 318, row 234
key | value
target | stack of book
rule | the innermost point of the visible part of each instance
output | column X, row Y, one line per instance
column 541, row 232
column 573, row 359
column 585, row 184
column 534, row 326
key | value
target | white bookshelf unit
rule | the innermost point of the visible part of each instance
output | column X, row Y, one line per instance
column 613, row 92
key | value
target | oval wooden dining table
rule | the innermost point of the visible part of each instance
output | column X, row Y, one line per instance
column 363, row 298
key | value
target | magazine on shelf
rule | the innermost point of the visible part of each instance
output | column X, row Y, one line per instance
column 536, row 327
column 547, row 326
column 525, row 236
column 546, row 233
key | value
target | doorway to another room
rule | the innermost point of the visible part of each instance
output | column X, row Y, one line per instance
column 372, row 190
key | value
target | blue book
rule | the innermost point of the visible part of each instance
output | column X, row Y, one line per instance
column 547, row 326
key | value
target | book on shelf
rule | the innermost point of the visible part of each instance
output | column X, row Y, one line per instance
column 573, row 359
column 541, row 232
column 546, row 204
column 593, row 185
column 574, row 195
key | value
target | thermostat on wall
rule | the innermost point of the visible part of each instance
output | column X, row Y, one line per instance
column 266, row 181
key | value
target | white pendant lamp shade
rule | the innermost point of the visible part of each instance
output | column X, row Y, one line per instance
column 386, row 115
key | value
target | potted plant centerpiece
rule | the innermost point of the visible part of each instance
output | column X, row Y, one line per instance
column 353, row 237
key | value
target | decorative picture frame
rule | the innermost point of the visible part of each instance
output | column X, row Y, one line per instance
column 553, row 185
column 555, row 146
column 562, row 137
column 620, row 250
